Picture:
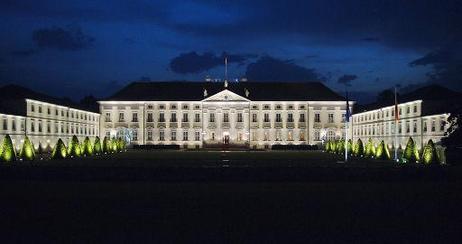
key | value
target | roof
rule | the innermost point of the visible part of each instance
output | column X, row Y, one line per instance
column 13, row 100
column 435, row 98
column 194, row 91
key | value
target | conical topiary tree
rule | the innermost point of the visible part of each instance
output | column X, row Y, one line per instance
column 430, row 155
column 349, row 146
column 107, row 145
column 359, row 150
column 327, row 146
column 97, row 146
column 370, row 148
column 87, row 147
column 341, row 147
column 1, row 150
column 114, row 145
column 73, row 149
column 60, row 151
column 27, row 152
column 411, row 153
column 8, row 153
column 382, row 151
column 120, row 144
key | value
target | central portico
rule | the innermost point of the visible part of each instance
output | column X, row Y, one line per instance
column 226, row 117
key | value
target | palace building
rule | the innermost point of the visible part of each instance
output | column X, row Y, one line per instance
column 216, row 114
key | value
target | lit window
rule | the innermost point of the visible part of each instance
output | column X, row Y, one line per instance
column 135, row 117
column 161, row 135
column 212, row 118
column 331, row 118
column 197, row 118
column 121, row 117
column 239, row 117
column 225, row 117
column 197, row 136
column 173, row 136
column 317, row 117
column 185, row 135
column 266, row 118
column 254, row 118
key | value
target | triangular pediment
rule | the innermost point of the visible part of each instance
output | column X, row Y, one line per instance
column 226, row 96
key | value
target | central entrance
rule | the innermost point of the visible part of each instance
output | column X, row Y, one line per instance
column 226, row 138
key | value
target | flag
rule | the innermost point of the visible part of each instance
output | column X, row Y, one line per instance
column 348, row 112
column 396, row 107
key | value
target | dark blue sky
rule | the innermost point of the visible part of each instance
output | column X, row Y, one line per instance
column 75, row 48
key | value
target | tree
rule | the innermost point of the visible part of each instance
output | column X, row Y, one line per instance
column 73, row 149
column 97, row 146
column 107, row 147
column 382, row 151
column 341, row 147
column 429, row 155
column 60, row 151
column 349, row 146
column 27, row 151
column 87, row 147
column 114, row 145
column 359, row 150
column 370, row 148
column 411, row 153
column 8, row 153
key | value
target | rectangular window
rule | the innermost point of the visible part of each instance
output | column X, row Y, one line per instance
column 212, row 118
column 197, row 118
column 135, row 117
column 5, row 124
column 317, row 118
column 331, row 118
column 414, row 129
column 425, row 126
column 173, row 117
column 185, row 118
column 39, row 126
column 32, row 108
column 135, row 135
column 121, row 117
column 278, row 118
column 185, row 135
column 316, row 136
column 433, row 126
column 266, row 118
column 161, row 135
column 13, row 125
column 343, row 118
column 39, row 109
column 108, row 117
column 239, row 117
column 415, row 108
column 150, row 118
column 408, row 129
column 149, row 135
column 173, row 136
column 302, row 118
column 254, row 118
column 225, row 117
column 290, row 118
column 48, row 111
column 161, row 117
column 442, row 125
column 197, row 136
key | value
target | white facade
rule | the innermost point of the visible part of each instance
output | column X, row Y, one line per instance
column 379, row 124
column 45, row 123
column 221, row 119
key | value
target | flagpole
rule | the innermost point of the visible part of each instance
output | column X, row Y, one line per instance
column 396, row 126
column 347, row 119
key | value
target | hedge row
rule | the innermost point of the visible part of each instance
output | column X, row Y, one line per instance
column 60, row 151
column 294, row 147
column 428, row 156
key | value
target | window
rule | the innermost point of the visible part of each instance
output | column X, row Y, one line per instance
column 442, row 123
column 39, row 109
column 173, row 136
column 254, row 118
column 316, row 135
column 414, row 129
column 317, row 117
column 149, row 135
column 330, row 135
column 212, row 118
column 135, row 135
column 185, row 135
column 331, row 118
column 415, row 108
column 150, row 107
column 150, row 118
column 302, row 118
column 13, row 125
column 161, row 106
column 32, row 108
column 32, row 126
column 135, row 117
column 278, row 107
column 433, row 126
column 39, row 126
column 408, row 129
column 408, row 110
column 225, row 117
column 400, row 111
column 278, row 118
column 197, row 136
column 239, row 117
column 173, row 117
column 161, row 135
column 197, row 118
column 213, row 136
column 62, row 113
column 5, row 124
column 121, row 117
column 173, row 107
column 290, row 118
column 185, row 107
column 266, row 118
column 108, row 134
column 161, row 117
column 266, row 136
column 343, row 118
column 48, row 128
column 185, row 118
column 302, row 136
column 266, row 107
column 400, row 129
column 48, row 111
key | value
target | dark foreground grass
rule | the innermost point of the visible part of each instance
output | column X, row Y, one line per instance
column 197, row 197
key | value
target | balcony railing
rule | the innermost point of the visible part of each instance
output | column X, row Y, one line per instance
column 266, row 125
column 184, row 124
column 225, row 125
column 197, row 125
column 301, row 125
column 212, row 125
column 239, row 125
column 290, row 125
column 173, row 125
column 254, row 125
column 278, row 125
column 161, row 125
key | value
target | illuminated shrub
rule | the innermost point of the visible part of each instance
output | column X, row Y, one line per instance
column 114, row 146
column 8, row 153
column 60, row 151
column 107, row 145
column 411, row 153
column 359, row 149
column 87, row 147
column 429, row 155
column 370, row 148
column 120, row 144
column 27, row 151
column 97, row 146
column 350, row 146
column 341, row 147
column 73, row 149
column 327, row 147
column 382, row 151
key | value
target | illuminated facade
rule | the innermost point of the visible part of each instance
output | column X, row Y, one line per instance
column 379, row 124
column 218, row 115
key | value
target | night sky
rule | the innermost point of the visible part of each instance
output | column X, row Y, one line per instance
column 76, row 48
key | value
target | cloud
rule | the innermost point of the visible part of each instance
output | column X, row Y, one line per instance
column 346, row 79
column 69, row 38
column 371, row 39
column 193, row 63
column 24, row 52
column 271, row 69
